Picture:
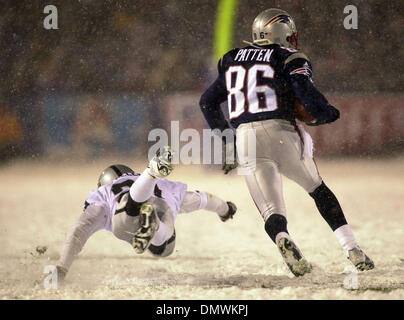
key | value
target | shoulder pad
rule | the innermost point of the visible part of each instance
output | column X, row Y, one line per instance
column 296, row 56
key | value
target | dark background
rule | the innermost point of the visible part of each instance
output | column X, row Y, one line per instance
column 99, row 83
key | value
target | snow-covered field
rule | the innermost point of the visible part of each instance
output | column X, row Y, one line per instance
column 212, row 260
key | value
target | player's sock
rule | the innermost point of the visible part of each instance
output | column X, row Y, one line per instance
column 142, row 189
column 345, row 238
column 282, row 235
column 329, row 206
column 276, row 227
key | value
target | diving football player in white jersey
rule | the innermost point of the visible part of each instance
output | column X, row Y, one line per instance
column 140, row 209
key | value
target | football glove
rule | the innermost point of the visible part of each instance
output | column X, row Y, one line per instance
column 229, row 157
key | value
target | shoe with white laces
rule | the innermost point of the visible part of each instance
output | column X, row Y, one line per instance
column 160, row 166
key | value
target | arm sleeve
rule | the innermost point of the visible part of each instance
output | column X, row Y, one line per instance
column 210, row 102
column 91, row 220
column 298, row 73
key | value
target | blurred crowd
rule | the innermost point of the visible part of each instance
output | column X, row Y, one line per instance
column 151, row 48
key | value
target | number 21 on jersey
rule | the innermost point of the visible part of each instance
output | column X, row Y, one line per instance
column 257, row 97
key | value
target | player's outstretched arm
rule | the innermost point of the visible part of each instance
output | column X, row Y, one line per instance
column 199, row 200
column 91, row 220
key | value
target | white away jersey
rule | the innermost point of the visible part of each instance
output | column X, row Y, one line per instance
column 108, row 195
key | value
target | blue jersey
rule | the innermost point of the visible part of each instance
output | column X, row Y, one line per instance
column 262, row 83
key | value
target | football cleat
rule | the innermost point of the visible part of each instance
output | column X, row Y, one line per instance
column 149, row 225
column 293, row 257
column 230, row 213
column 360, row 260
column 160, row 166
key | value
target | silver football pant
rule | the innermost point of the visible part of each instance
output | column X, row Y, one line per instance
column 279, row 150
column 125, row 226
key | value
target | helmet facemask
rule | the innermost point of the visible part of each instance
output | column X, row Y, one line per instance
column 294, row 40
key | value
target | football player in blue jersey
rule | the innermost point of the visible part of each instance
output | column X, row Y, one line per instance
column 265, row 84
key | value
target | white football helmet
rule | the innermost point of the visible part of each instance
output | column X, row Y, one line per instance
column 275, row 26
